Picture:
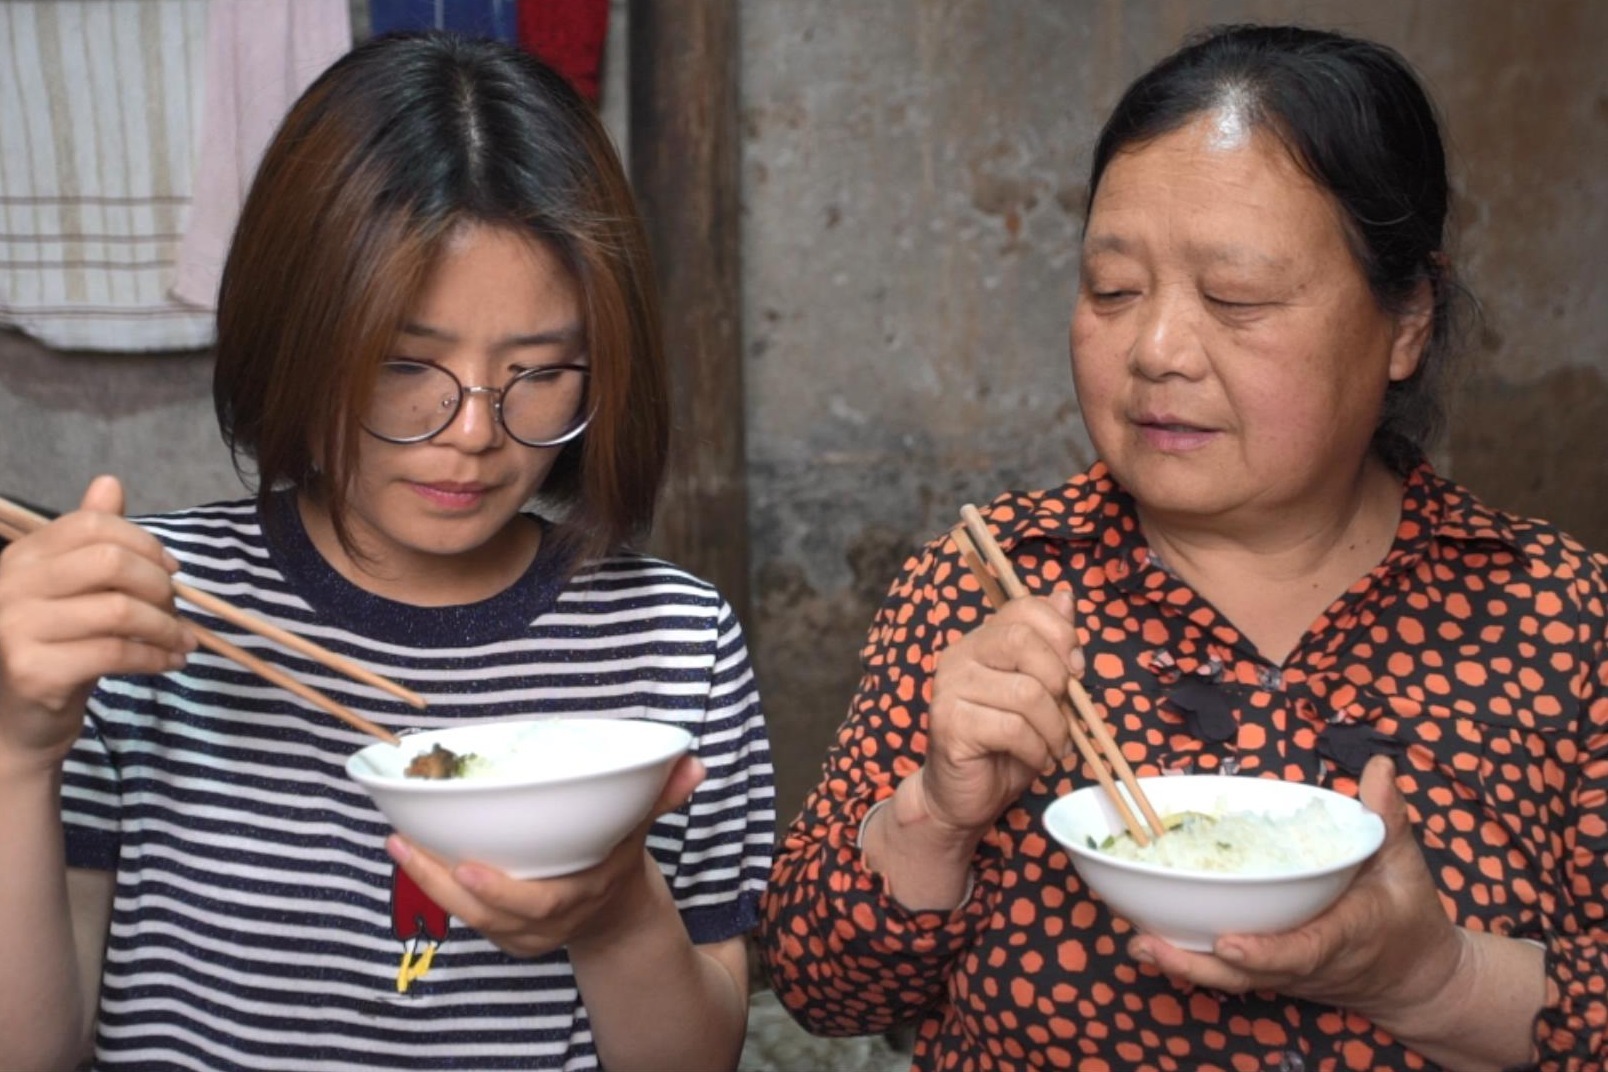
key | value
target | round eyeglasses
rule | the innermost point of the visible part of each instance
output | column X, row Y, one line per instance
column 540, row 407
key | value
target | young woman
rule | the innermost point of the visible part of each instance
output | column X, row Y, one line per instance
column 437, row 309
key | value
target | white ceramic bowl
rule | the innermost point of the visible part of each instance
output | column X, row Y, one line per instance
column 1192, row 908
column 566, row 792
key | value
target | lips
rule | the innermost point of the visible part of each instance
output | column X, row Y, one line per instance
column 451, row 495
column 1173, row 434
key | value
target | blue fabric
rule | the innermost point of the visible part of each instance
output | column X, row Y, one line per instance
column 478, row 18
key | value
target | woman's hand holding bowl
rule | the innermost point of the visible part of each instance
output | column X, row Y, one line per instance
column 1385, row 949
column 530, row 917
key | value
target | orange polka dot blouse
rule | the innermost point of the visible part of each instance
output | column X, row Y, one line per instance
column 1475, row 653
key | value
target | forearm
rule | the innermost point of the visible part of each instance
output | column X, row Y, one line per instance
column 1483, row 1019
column 43, row 1003
column 844, row 955
column 657, row 1001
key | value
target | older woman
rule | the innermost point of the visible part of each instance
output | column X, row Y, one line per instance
column 1261, row 575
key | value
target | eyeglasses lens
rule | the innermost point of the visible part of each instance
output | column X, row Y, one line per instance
column 544, row 405
column 414, row 401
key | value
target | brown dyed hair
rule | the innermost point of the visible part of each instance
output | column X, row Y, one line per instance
column 401, row 142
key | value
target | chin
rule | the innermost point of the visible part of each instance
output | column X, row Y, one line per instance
column 1175, row 488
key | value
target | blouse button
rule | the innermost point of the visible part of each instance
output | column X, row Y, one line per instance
column 1271, row 678
column 1291, row 1061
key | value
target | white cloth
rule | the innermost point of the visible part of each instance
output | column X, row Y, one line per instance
column 261, row 54
column 102, row 151
column 97, row 106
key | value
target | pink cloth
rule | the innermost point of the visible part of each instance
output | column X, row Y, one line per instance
column 261, row 54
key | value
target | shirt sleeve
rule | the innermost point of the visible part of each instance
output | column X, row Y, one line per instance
column 91, row 793
column 725, row 854
column 842, row 954
column 1571, row 1032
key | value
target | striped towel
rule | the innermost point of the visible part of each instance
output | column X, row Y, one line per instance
column 98, row 105
column 129, row 132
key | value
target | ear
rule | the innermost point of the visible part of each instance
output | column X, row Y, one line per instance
column 1414, row 326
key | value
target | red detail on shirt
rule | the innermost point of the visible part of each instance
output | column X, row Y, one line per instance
column 413, row 912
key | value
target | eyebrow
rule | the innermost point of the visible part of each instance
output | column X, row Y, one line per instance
column 1219, row 253
column 556, row 337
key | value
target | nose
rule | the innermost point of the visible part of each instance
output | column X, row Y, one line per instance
column 1168, row 341
column 477, row 425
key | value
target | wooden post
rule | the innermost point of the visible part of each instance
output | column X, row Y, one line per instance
column 685, row 169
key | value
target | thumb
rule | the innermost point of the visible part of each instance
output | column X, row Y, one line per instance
column 104, row 495
column 685, row 776
column 1061, row 599
column 1378, row 793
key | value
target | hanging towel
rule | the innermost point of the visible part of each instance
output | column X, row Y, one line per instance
column 97, row 107
column 128, row 133
column 261, row 54
column 475, row 18
column 570, row 36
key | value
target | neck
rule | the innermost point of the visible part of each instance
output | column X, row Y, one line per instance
column 1273, row 572
column 420, row 578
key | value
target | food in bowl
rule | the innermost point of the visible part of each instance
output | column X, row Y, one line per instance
column 1240, row 842
column 552, row 795
column 1191, row 906
column 440, row 763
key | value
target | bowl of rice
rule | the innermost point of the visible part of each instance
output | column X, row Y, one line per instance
column 532, row 797
column 1242, row 855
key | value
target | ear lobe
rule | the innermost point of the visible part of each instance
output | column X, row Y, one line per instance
column 1414, row 325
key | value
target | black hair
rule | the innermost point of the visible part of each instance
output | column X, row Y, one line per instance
column 1355, row 117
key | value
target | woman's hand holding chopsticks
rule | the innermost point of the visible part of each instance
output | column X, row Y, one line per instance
column 87, row 595
column 995, row 720
column 101, row 522
column 995, row 725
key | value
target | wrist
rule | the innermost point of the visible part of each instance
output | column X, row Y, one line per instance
column 920, row 831
column 630, row 911
column 925, row 862
column 1482, row 1013
column 29, row 770
column 1418, row 1008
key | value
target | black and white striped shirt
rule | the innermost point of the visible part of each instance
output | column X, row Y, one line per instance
column 253, row 924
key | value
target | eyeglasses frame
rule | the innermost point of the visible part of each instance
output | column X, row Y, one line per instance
column 496, row 393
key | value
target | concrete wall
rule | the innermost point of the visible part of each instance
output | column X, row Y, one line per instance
column 913, row 176
column 913, row 184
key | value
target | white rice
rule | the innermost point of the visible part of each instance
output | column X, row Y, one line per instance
column 1245, row 842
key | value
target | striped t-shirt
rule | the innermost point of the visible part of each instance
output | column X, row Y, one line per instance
column 256, row 922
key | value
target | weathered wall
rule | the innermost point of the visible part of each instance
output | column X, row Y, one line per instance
column 913, row 177
column 913, row 189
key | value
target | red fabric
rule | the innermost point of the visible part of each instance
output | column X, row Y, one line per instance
column 569, row 36
column 413, row 912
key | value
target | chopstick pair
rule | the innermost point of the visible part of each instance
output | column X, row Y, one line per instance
column 17, row 521
column 1089, row 731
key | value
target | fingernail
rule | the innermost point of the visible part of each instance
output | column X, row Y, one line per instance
column 1231, row 953
column 470, row 878
column 398, row 849
column 1142, row 954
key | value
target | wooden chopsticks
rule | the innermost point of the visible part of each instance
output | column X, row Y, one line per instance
column 1088, row 729
column 16, row 521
